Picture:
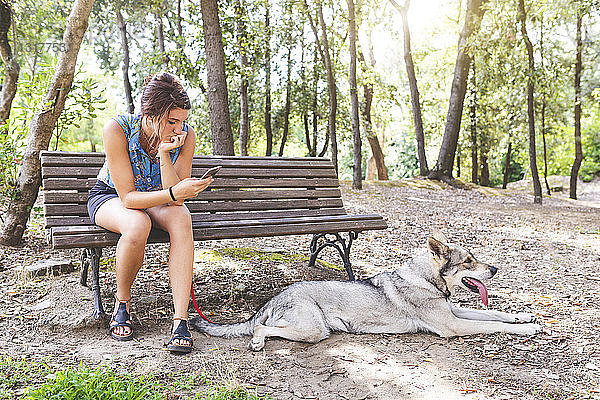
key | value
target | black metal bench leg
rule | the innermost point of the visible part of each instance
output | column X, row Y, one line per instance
column 91, row 257
column 337, row 243
column 85, row 263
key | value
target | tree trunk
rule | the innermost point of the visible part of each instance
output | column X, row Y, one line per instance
column 473, row 117
column 445, row 161
column 179, row 27
column 125, row 47
column 506, row 166
column 331, row 87
column 414, row 89
column 161, row 38
column 311, row 148
column 218, row 102
column 42, row 124
column 537, row 188
column 268, row 127
column 544, row 143
column 356, row 142
column 543, row 116
column 484, row 179
column 578, row 149
column 244, row 112
column 288, row 102
column 11, row 66
column 377, row 153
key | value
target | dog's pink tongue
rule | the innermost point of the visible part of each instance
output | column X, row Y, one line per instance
column 483, row 293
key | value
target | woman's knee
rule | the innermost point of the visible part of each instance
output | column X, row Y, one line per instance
column 136, row 226
column 177, row 219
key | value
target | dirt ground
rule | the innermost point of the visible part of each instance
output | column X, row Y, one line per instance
column 549, row 264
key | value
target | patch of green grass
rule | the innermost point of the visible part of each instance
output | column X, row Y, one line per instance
column 96, row 383
column 37, row 381
column 248, row 253
column 17, row 374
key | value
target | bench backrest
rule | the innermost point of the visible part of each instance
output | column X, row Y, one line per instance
column 244, row 188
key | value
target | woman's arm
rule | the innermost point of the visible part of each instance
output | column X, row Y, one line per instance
column 119, row 165
column 172, row 174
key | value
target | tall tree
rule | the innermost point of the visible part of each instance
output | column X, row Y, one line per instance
column 160, row 37
column 473, row 118
column 125, row 47
column 242, row 42
column 303, row 101
column 268, row 126
column 537, row 187
column 40, row 132
column 544, row 103
column 218, row 102
column 377, row 152
column 414, row 88
column 377, row 161
column 577, row 85
column 323, row 49
column 445, row 161
column 288, row 101
column 11, row 66
column 357, row 143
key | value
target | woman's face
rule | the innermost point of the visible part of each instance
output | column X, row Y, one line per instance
column 172, row 124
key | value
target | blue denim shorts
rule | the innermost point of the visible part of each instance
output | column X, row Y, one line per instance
column 99, row 194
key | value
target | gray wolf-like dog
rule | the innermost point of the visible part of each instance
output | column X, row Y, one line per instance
column 414, row 298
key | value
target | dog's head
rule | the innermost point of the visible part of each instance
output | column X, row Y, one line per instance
column 459, row 268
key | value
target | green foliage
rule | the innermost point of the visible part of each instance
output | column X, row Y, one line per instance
column 84, row 383
column 590, row 167
column 12, row 143
column 19, row 373
column 83, row 103
column 39, row 380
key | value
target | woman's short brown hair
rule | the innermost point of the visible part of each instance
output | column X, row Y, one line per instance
column 163, row 92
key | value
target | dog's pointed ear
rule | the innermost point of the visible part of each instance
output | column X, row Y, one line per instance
column 439, row 236
column 438, row 248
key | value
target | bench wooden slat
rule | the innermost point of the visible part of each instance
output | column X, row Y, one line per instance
column 55, row 221
column 101, row 239
column 198, row 162
column 267, row 172
column 61, row 155
column 51, row 184
column 70, row 230
column 81, row 209
column 214, row 195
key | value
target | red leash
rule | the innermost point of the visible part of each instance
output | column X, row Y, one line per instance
column 196, row 305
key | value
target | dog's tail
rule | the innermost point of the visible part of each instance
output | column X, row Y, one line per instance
column 224, row 330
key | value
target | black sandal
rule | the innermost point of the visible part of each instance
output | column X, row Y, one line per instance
column 181, row 333
column 121, row 319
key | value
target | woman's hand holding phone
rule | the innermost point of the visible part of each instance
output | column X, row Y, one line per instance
column 190, row 187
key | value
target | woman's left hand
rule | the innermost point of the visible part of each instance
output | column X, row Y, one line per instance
column 171, row 143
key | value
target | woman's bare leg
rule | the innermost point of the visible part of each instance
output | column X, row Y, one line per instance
column 177, row 221
column 134, row 227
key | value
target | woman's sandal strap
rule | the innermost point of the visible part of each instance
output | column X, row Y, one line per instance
column 121, row 319
column 182, row 333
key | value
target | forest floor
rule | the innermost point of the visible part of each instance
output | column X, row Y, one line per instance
column 549, row 264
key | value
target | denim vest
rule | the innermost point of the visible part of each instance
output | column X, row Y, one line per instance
column 146, row 171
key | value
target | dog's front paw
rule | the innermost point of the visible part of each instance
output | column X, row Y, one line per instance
column 526, row 329
column 256, row 344
column 521, row 318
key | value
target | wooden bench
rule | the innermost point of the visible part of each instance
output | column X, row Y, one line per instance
column 250, row 197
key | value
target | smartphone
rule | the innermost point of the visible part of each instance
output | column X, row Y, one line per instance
column 211, row 172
